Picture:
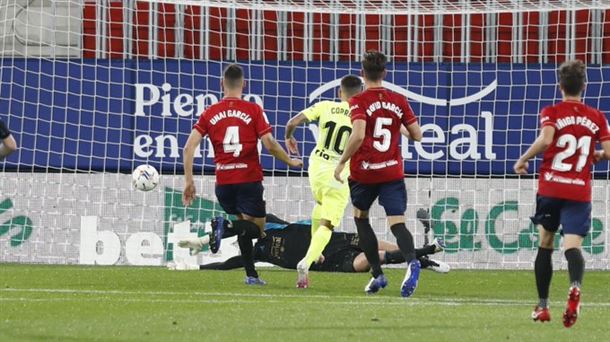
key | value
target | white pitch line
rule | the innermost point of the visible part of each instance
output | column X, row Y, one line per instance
column 241, row 301
column 357, row 300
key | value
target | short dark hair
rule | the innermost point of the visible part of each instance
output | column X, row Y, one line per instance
column 373, row 65
column 351, row 85
column 572, row 77
column 233, row 75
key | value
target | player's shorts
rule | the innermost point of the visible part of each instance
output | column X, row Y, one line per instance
column 392, row 196
column 4, row 132
column 331, row 195
column 242, row 198
column 340, row 261
column 573, row 216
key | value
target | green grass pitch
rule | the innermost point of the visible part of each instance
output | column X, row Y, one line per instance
column 73, row 303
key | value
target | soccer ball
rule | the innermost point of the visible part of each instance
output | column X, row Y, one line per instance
column 145, row 177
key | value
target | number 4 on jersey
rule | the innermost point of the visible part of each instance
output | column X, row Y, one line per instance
column 231, row 141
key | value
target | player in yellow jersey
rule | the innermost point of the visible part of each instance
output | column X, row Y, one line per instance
column 330, row 195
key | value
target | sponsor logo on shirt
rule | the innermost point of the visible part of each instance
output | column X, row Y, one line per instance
column 376, row 166
column 550, row 177
column 233, row 166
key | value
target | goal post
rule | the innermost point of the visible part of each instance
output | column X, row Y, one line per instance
column 92, row 89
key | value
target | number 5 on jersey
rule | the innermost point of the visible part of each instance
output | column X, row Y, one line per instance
column 382, row 132
column 231, row 141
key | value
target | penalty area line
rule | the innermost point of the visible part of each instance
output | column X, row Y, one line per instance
column 270, row 298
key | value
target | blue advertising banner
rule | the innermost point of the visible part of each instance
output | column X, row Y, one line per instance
column 110, row 115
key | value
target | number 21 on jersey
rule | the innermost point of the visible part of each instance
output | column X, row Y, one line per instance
column 572, row 146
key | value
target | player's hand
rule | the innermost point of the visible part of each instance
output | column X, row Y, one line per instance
column 521, row 167
column 291, row 145
column 320, row 259
column 188, row 195
column 338, row 171
column 296, row 163
column 598, row 155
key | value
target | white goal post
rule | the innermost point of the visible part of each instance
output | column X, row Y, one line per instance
column 92, row 89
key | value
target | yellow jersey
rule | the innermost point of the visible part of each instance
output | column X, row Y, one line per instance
column 335, row 126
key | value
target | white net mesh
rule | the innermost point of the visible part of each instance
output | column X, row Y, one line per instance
column 92, row 89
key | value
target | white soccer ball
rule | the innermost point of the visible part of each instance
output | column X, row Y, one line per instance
column 145, row 177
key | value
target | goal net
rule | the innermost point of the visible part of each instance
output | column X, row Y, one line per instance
column 92, row 89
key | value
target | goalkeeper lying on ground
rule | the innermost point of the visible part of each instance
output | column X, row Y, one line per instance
column 285, row 244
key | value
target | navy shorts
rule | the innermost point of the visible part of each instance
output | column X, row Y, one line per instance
column 243, row 198
column 392, row 196
column 573, row 216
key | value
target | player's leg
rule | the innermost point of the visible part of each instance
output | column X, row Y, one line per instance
column 361, row 264
column 394, row 255
column 547, row 220
column 229, row 264
column 576, row 222
column 393, row 198
column 251, row 206
column 363, row 196
column 333, row 198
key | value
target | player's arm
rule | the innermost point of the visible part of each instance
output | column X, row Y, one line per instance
column 293, row 123
column 8, row 144
column 188, row 155
column 604, row 153
column 544, row 140
column 409, row 121
column 603, row 137
column 353, row 144
column 278, row 152
column 412, row 131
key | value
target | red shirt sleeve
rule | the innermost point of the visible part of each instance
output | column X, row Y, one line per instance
column 604, row 133
column 547, row 117
column 200, row 126
column 356, row 110
column 262, row 124
column 408, row 116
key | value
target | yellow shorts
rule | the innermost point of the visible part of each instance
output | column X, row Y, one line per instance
column 329, row 194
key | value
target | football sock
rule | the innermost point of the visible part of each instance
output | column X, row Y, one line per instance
column 231, row 263
column 576, row 266
column 420, row 252
column 245, row 228
column 318, row 242
column 316, row 214
column 245, row 246
column 543, row 303
column 368, row 243
column 404, row 239
column 543, row 269
column 394, row 257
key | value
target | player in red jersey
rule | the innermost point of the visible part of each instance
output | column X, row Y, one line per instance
column 570, row 130
column 376, row 167
column 234, row 127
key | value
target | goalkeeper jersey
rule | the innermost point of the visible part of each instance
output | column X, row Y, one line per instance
column 335, row 127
